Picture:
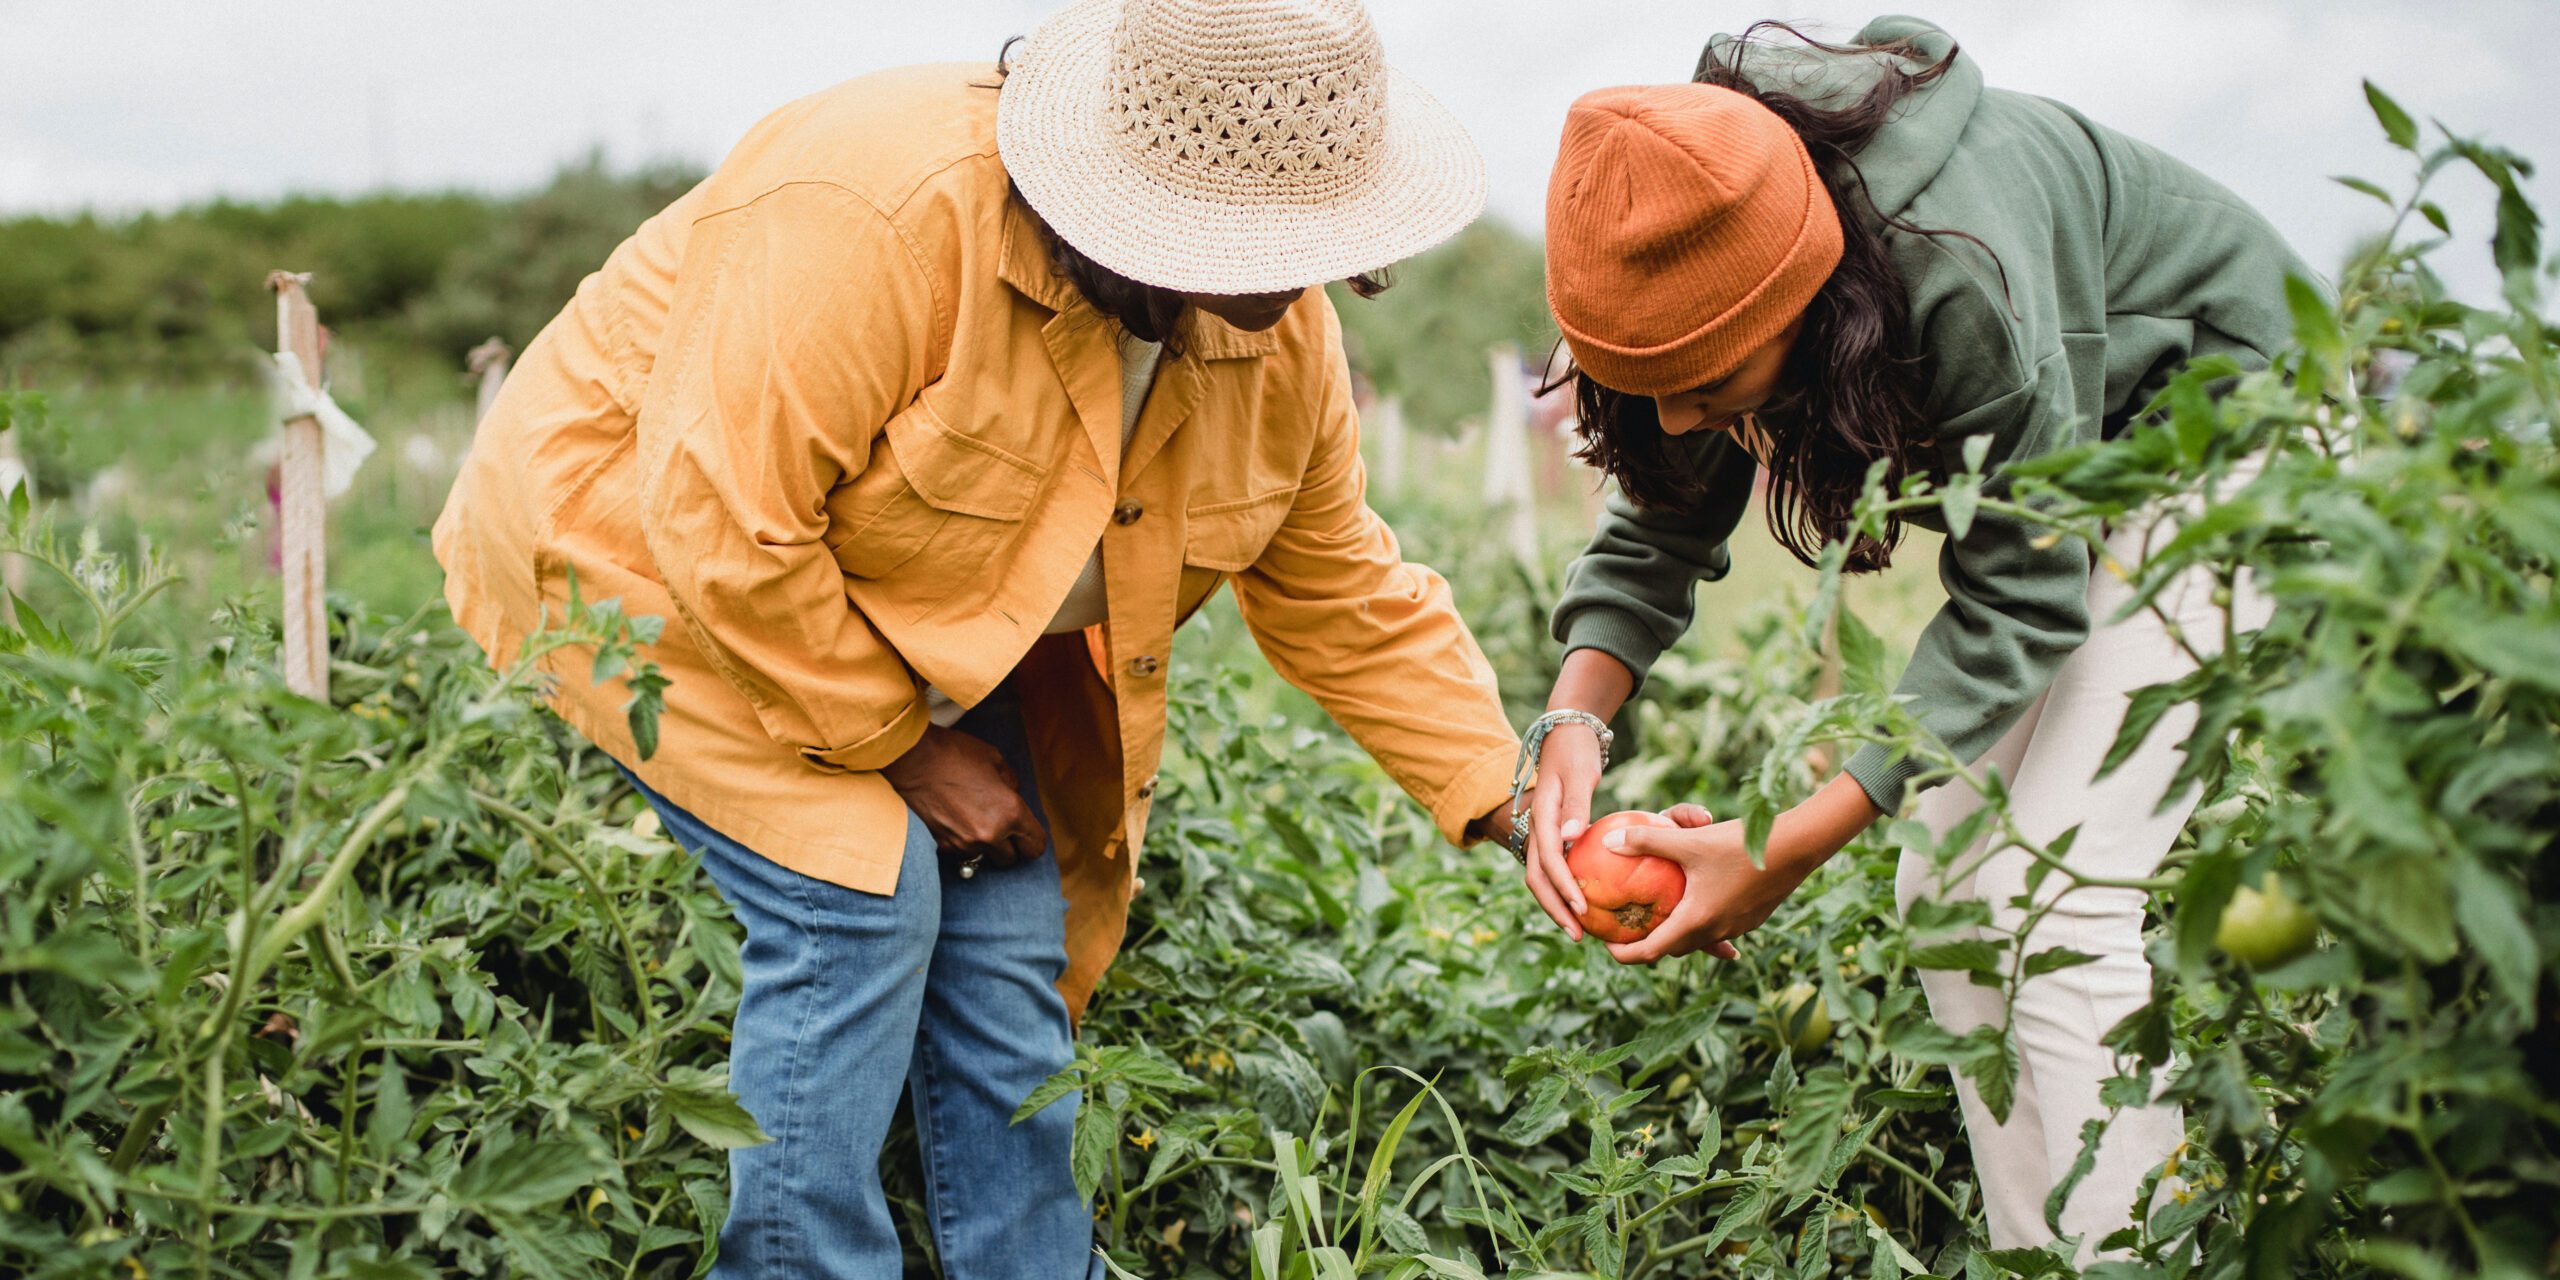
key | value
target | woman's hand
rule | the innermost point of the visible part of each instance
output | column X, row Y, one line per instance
column 1559, row 810
column 968, row 798
column 1568, row 771
column 1726, row 896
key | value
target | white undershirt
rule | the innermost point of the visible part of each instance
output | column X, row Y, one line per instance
column 1087, row 603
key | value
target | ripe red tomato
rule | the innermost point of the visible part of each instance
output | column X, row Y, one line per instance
column 1625, row 895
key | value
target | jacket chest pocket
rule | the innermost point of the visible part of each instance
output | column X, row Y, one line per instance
column 932, row 498
column 1230, row 536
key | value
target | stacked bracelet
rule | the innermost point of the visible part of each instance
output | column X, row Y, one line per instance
column 1524, row 771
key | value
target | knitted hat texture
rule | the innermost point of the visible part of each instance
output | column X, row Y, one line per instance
column 1686, row 226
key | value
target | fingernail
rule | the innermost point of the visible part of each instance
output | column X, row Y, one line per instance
column 1572, row 827
column 1614, row 840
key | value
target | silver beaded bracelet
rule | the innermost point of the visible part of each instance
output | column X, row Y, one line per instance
column 1524, row 771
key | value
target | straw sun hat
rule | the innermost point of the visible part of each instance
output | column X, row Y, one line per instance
column 1231, row 146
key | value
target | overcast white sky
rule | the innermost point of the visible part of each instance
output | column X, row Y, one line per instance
column 128, row 104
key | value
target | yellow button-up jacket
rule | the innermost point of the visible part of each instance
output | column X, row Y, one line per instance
column 835, row 417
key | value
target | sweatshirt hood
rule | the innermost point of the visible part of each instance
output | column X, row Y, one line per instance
column 1908, row 152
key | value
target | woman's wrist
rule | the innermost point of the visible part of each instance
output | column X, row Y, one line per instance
column 1591, row 681
column 1806, row 836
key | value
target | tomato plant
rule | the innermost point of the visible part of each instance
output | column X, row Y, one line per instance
column 404, row 986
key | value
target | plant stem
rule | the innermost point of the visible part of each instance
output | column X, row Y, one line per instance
column 1926, row 1183
column 604, row 901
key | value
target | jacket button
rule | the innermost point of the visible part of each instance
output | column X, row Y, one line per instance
column 1143, row 665
column 1147, row 789
column 1127, row 513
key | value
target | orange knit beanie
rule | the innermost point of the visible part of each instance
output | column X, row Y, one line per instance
column 1685, row 227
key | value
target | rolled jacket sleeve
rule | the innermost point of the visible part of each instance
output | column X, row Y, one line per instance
column 1377, row 642
column 802, row 322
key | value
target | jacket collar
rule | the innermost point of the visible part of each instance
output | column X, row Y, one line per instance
column 1024, row 264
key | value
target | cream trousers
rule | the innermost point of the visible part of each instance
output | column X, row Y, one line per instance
column 2050, row 761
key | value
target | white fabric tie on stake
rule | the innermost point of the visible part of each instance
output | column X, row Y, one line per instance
column 343, row 445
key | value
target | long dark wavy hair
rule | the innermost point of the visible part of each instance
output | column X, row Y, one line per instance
column 1150, row 314
column 1852, row 387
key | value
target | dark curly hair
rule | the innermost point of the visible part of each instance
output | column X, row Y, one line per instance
column 1149, row 313
column 1852, row 386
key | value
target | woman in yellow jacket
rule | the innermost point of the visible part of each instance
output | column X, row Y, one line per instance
column 925, row 420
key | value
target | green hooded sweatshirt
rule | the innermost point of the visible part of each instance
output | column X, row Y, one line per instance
column 2109, row 265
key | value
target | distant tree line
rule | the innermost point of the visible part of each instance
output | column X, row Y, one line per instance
column 181, row 297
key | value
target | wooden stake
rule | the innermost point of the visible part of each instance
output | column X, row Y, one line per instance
column 303, row 528
column 1391, row 446
column 488, row 363
column 1507, row 484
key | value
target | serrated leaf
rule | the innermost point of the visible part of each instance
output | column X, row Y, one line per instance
column 1976, row 955
column 706, row 1109
column 525, row 1178
column 1095, row 1146
column 2054, row 960
column 2396, row 124
column 387, row 1128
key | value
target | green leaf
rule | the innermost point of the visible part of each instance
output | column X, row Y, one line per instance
column 1740, row 1212
column 1382, row 1159
column 2492, row 920
column 2091, row 1131
column 710, row 1200
column 1862, row 654
column 2396, row 124
column 2028, row 1262
column 1813, row 1253
column 526, row 1177
column 1960, row 499
column 1537, row 1119
column 2142, row 713
column 1976, row 955
column 1292, row 836
column 387, row 1129
column 706, row 1109
column 648, row 702
column 2359, row 184
column 1810, row 1129
column 1670, row 1035
column 1095, row 1146
column 2053, row 960
column 2315, row 326
column 1995, row 1077
column 1976, row 448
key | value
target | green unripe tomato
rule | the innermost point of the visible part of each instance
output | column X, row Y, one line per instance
column 2263, row 926
column 1816, row 1030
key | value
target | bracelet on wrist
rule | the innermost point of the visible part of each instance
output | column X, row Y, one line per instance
column 1524, row 771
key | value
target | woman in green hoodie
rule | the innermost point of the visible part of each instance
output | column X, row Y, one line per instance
column 1819, row 257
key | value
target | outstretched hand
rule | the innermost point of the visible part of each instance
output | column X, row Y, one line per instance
column 1559, row 811
column 1726, row 896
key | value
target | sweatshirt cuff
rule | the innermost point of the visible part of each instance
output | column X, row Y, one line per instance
column 1615, row 632
column 1884, row 774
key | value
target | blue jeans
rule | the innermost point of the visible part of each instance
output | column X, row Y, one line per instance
column 947, row 987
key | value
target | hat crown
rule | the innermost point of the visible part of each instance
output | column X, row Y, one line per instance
column 1268, row 100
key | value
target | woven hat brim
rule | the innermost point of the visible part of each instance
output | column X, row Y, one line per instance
column 1054, row 133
